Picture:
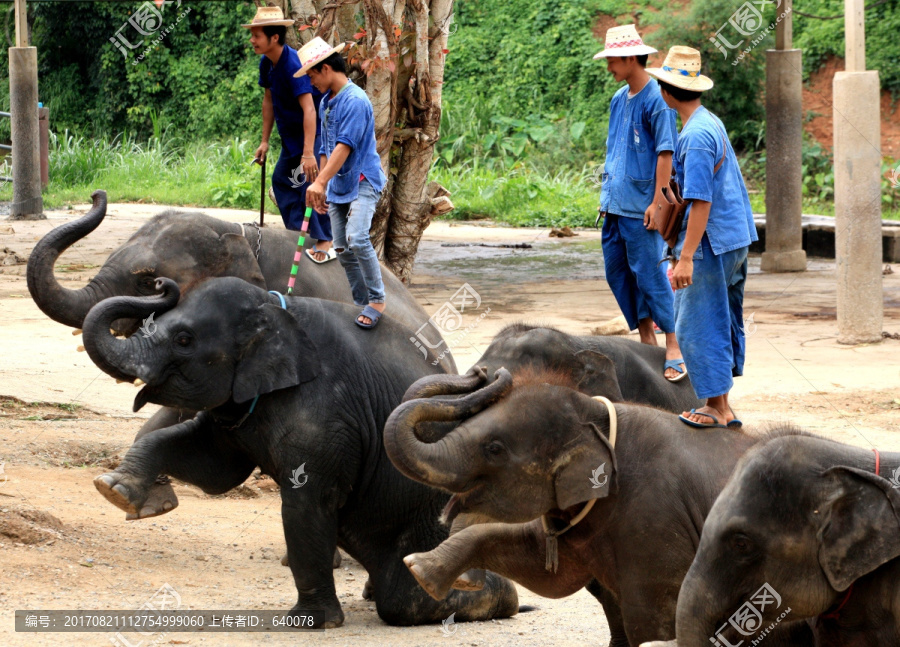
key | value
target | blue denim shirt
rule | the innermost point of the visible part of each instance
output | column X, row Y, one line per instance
column 286, row 91
column 700, row 147
column 640, row 128
column 347, row 118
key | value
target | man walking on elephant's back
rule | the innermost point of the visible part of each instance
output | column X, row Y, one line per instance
column 638, row 165
column 291, row 103
column 351, row 171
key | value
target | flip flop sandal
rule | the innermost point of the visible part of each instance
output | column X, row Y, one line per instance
column 330, row 255
column 675, row 363
column 372, row 314
column 734, row 424
column 702, row 425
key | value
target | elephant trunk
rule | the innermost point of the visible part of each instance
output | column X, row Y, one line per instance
column 68, row 307
column 441, row 384
column 434, row 463
column 118, row 357
column 696, row 618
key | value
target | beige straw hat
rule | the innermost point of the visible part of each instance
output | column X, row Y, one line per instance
column 314, row 52
column 269, row 17
column 624, row 41
column 682, row 69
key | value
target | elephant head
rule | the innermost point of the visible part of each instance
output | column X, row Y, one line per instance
column 522, row 346
column 517, row 451
column 187, row 247
column 227, row 340
column 799, row 521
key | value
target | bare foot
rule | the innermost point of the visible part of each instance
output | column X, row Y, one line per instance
column 366, row 320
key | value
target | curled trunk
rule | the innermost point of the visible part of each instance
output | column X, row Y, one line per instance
column 433, row 385
column 433, row 462
column 117, row 357
column 68, row 307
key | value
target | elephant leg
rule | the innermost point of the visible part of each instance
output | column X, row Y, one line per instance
column 516, row 551
column 612, row 611
column 193, row 451
column 310, row 530
column 473, row 579
column 161, row 497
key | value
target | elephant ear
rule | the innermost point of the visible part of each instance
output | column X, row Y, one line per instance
column 595, row 374
column 860, row 528
column 276, row 353
column 238, row 260
column 587, row 470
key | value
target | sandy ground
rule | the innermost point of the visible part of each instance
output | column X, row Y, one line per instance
column 63, row 546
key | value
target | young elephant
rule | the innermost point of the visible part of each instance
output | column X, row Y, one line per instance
column 298, row 389
column 541, row 449
column 815, row 525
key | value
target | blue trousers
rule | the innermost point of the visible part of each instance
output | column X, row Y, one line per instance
column 631, row 255
column 351, row 223
column 709, row 320
column 290, row 184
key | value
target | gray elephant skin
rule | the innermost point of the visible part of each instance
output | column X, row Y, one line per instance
column 538, row 447
column 809, row 519
column 188, row 248
column 302, row 393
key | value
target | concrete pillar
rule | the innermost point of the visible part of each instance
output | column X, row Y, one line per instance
column 44, row 135
column 857, row 206
column 784, row 143
column 27, row 203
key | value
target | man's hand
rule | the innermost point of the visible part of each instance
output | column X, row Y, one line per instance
column 261, row 152
column 682, row 275
column 315, row 197
column 310, row 168
column 649, row 222
column 599, row 221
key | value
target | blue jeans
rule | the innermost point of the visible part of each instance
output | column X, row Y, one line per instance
column 631, row 255
column 350, row 224
column 290, row 194
column 709, row 320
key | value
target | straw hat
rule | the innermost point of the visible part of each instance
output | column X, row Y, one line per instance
column 314, row 52
column 624, row 41
column 682, row 69
column 269, row 17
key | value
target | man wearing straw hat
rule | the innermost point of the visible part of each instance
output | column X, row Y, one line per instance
column 638, row 165
column 351, row 177
column 711, row 252
column 290, row 103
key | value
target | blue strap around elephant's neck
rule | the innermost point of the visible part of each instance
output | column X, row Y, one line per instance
column 284, row 306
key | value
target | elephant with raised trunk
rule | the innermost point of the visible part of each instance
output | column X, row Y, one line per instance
column 286, row 385
column 815, row 525
column 531, row 454
column 189, row 248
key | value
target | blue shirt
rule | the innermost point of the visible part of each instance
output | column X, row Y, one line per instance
column 701, row 144
column 347, row 118
column 286, row 91
column 640, row 128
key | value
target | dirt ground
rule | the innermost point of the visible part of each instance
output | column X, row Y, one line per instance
column 62, row 422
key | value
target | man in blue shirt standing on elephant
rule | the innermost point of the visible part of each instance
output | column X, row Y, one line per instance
column 291, row 103
column 638, row 165
column 351, row 178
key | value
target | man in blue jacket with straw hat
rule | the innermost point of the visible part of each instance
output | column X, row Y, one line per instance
column 638, row 165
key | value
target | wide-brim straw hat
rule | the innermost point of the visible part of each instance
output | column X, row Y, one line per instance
column 269, row 17
column 624, row 41
column 314, row 52
column 682, row 69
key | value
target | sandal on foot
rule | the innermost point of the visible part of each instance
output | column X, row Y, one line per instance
column 330, row 255
column 372, row 314
column 702, row 425
column 675, row 363
column 734, row 424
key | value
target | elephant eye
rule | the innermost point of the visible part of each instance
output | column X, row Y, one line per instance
column 741, row 544
column 147, row 283
column 183, row 339
column 494, row 449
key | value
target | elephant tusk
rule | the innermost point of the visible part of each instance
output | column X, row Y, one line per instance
column 139, row 382
column 80, row 349
column 76, row 332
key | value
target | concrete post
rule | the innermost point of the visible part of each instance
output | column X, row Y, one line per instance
column 857, row 206
column 784, row 140
column 44, row 134
column 27, row 203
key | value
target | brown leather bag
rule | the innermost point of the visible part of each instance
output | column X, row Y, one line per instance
column 669, row 214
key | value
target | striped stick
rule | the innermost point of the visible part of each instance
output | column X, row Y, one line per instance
column 299, row 253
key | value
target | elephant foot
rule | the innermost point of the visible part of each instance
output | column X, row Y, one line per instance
column 128, row 493
column 335, row 561
column 324, row 619
column 368, row 590
column 430, row 574
column 161, row 498
column 471, row 580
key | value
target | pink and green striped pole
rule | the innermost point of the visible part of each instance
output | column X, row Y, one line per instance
column 299, row 253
